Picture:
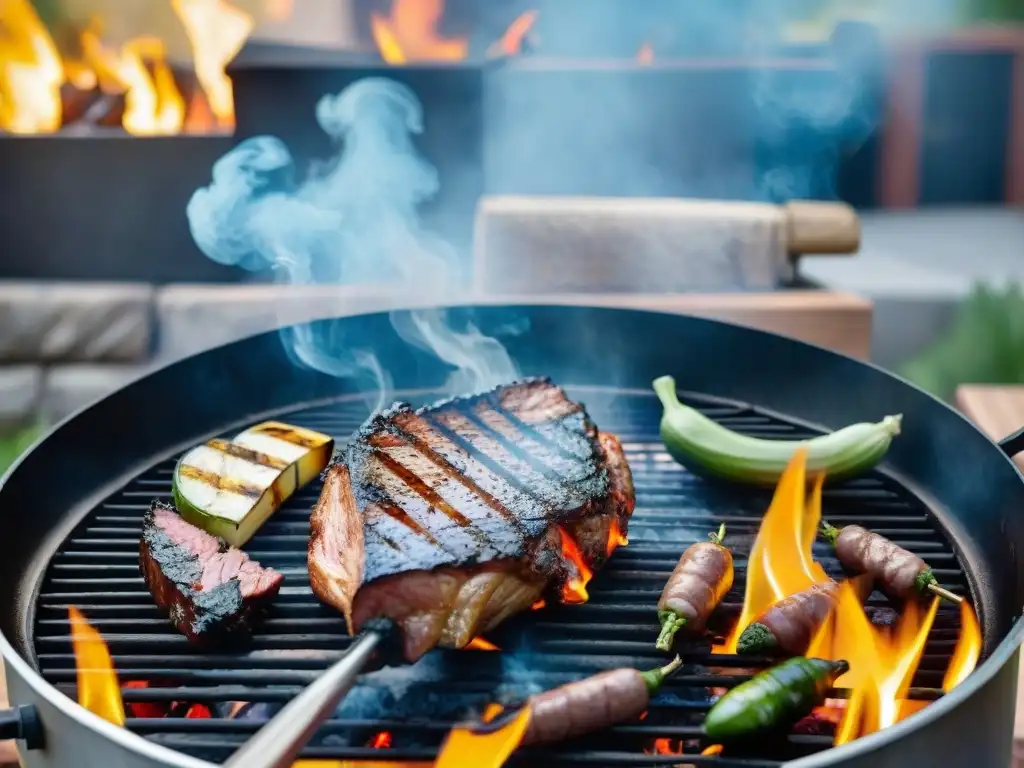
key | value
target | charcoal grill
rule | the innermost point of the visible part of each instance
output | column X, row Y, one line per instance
column 73, row 513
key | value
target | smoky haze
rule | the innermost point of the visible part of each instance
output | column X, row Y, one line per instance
column 354, row 220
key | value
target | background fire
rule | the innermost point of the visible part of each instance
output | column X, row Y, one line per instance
column 44, row 87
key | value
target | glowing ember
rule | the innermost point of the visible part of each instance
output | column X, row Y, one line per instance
column 217, row 32
column 479, row 644
column 714, row 749
column 98, row 690
column 664, row 747
column 198, row 712
column 30, row 71
column 780, row 562
column 465, row 746
column 381, row 741
column 143, row 708
column 645, row 55
column 512, row 41
column 967, row 651
column 538, row 605
column 409, row 33
column 574, row 591
column 616, row 538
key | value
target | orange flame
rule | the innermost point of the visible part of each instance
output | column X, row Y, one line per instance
column 664, row 747
column 882, row 662
column 616, row 538
column 479, row 644
column 512, row 41
column 98, row 690
column 491, row 711
column 31, row 73
column 714, row 749
column 967, row 650
column 538, row 605
column 645, row 55
column 780, row 562
column 217, row 32
column 409, row 33
column 574, row 591
column 465, row 746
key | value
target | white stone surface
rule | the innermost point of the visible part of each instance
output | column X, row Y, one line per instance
column 75, row 322
column 20, row 390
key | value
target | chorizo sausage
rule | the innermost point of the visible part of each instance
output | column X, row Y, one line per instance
column 593, row 703
column 900, row 573
column 790, row 624
column 701, row 578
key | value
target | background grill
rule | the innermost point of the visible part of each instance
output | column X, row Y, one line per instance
column 97, row 570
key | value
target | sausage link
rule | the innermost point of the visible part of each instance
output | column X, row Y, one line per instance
column 793, row 621
column 894, row 568
column 700, row 580
column 586, row 706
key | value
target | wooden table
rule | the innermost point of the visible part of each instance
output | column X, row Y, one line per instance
column 999, row 411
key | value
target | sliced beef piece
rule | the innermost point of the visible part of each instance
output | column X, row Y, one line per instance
column 451, row 518
column 211, row 592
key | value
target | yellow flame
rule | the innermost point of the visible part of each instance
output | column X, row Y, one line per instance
column 967, row 650
column 217, row 32
column 98, row 689
column 31, row 72
column 409, row 33
column 466, row 747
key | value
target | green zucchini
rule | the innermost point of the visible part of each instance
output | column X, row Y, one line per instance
column 230, row 488
column 772, row 700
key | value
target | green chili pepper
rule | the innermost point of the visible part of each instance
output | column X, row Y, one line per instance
column 772, row 700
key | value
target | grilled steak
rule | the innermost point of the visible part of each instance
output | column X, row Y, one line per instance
column 451, row 518
column 211, row 592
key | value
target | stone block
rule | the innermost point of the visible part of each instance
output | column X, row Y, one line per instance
column 643, row 245
column 194, row 318
column 20, row 390
column 70, row 322
column 67, row 388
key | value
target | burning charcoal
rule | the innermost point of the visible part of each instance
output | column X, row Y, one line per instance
column 245, row 710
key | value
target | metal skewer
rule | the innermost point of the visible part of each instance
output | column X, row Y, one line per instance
column 944, row 593
column 277, row 743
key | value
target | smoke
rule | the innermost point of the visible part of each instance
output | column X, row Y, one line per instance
column 353, row 221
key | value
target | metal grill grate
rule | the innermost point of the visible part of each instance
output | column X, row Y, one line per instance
column 97, row 570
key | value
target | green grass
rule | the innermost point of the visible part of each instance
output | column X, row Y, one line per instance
column 12, row 446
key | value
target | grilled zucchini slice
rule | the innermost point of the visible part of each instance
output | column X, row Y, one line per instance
column 230, row 488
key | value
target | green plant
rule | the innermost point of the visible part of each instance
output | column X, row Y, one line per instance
column 12, row 446
column 985, row 344
column 993, row 10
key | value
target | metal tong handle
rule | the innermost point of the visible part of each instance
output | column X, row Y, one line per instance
column 277, row 743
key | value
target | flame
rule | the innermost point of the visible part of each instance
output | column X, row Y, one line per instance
column 198, row 712
column 538, row 605
column 491, row 711
column 616, row 538
column 31, row 73
column 882, row 661
column 575, row 589
column 381, row 741
column 217, row 32
column 409, row 33
column 645, row 55
column 143, row 708
column 967, row 650
column 465, row 746
column 512, row 41
column 780, row 562
column 98, row 690
column 479, row 644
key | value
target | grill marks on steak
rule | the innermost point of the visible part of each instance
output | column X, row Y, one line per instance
column 446, row 518
column 210, row 591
